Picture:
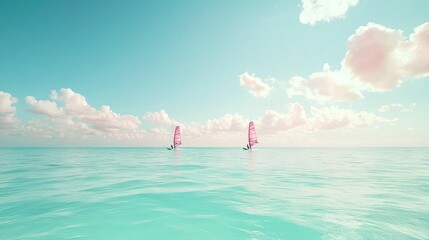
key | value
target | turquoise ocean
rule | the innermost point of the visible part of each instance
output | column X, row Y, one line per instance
column 214, row 193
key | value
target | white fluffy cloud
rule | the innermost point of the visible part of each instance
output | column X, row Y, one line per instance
column 44, row 107
column 324, row 86
column 159, row 118
column 374, row 56
column 273, row 127
column 273, row 122
column 416, row 50
column 378, row 59
column 8, row 119
column 76, row 116
column 255, row 85
column 229, row 122
column 314, row 11
column 226, row 123
column 325, row 118
column 383, row 58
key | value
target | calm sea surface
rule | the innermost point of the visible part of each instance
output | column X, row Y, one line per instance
column 214, row 193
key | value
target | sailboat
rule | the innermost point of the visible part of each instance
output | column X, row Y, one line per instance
column 177, row 140
column 251, row 134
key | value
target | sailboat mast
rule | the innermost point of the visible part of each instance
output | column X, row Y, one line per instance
column 174, row 137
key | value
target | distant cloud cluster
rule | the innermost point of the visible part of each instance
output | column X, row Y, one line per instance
column 159, row 118
column 323, row 86
column 8, row 118
column 255, row 85
column 296, row 118
column 398, row 106
column 319, row 119
column 227, row 123
column 67, row 115
column 328, row 118
column 273, row 121
column 314, row 11
column 378, row 59
column 76, row 117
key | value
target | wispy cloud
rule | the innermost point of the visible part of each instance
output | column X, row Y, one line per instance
column 384, row 108
column 399, row 106
column 314, row 11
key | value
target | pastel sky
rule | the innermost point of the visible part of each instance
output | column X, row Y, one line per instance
column 309, row 73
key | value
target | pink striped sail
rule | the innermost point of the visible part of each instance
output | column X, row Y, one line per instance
column 177, row 139
column 252, row 135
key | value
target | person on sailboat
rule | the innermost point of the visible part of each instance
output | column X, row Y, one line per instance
column 177, row 140
column 251, row 133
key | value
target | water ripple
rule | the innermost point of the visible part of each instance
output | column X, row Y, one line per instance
column 214, row 193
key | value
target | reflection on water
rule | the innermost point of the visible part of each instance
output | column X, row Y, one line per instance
column 214, row 193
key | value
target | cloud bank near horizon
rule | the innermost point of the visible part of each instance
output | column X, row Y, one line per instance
column 8, row 120
column 67, row 112
column 67, row 115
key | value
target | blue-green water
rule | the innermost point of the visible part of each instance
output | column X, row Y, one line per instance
column 214, row 193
